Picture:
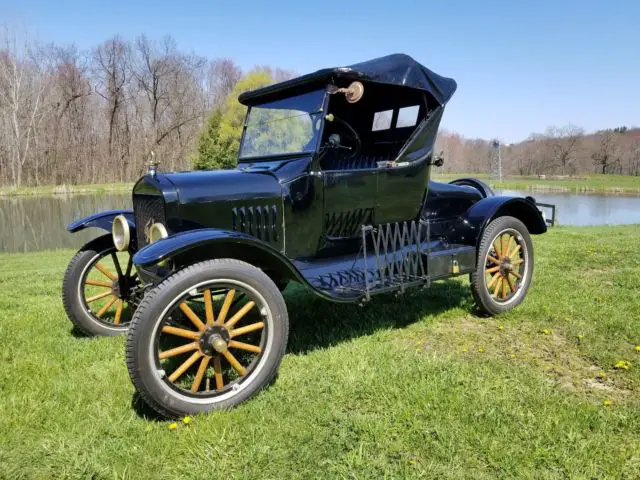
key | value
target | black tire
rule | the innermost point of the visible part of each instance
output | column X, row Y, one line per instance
column 73, row 297
column 160, row 307
column 482, row 280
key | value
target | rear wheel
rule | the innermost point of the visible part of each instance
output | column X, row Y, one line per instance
column 505, row 266
column 100, row 289
column 208, row 337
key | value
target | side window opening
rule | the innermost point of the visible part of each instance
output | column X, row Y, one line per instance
column 407, row 116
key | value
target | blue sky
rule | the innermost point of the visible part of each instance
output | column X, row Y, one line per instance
column 520, row 66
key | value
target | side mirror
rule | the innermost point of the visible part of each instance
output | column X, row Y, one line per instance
column 438, row 160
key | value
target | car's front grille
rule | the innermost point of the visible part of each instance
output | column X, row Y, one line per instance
column 147, row 210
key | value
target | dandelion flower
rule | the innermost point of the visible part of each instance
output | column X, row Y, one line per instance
column 186, row 420
column 547, row 331
column 607, row 403
column 638, row 348
column 500, row 327
column 173, row 426
column 481, row 350
column 622, row 365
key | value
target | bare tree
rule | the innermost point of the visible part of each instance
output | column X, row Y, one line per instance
column 605, row 156
column 21, row 89
column 565, row 142
column 222, row 76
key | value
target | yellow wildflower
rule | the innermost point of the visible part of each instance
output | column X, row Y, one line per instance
column 607, row 403
column 186, row 420
column 481, row 350
column 622, row 365
column 547, row 331
column 638, row 348
column 500, row 327
column 173, row 426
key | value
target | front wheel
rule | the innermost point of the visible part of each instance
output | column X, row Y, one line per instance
column 505, row 266
column 100, row 289
column 208, row 337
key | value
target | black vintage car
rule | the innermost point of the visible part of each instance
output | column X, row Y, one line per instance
column 333, row 191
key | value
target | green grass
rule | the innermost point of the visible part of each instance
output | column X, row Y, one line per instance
column 413, row 387
column 603, row 184
column 66, row 189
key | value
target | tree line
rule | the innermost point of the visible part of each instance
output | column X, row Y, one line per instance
column 562, row 151
column 70, row 117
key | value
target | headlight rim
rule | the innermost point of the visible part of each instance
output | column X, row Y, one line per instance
column 121, row 240
column 157, row 228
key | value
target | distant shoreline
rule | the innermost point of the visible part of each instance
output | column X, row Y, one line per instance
column 585, row 184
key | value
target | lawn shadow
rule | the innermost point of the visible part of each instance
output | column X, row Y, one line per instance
column 317, row 323
column 143, row 410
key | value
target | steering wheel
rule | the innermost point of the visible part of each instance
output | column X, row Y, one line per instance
column 350, row 131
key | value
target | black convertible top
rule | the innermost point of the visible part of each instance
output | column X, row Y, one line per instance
column 397, row 69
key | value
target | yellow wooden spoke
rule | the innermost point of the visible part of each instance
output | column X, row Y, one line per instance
column 208, row 307
column 515, row 250
column 201, row 371
column 218, row 369
column 99, row 296
column 244, row 346
column 518, row 262
column 116, row 320
column 181, row 332
column 511, row 284
column 493, row 280
column 239, row 314
column 98, row 283
column 106, row 271
column 503, row 245
column 178, row 350
column 498, row 285
column 185, row 366
column 496, row 247
column 515, row 274
column 504, row 288
column 106, row 307
column 493, row 269
column 225, row 306
column 234, row 363
column 192, row 316
column 493, row 260
column 508, row 249
column 249, row 328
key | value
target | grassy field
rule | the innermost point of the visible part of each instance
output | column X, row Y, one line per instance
column 603, row 184
column 413, row 387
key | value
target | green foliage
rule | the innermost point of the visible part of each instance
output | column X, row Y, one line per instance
column 219, row 143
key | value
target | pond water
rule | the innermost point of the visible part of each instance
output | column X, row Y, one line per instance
column 39, row 223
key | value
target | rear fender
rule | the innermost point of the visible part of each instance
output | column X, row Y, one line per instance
column 102, row 220
column 483, row 212
column 194, row 246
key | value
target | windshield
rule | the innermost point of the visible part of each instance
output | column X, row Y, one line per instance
column 290, row 125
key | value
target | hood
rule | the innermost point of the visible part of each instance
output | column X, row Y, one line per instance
column 225, row 199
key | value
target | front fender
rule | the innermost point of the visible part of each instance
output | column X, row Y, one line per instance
column 476, row 219
column 207, row 243
column 102, row 220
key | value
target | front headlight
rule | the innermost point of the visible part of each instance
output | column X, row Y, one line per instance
column 157, row 232
column 121, row 233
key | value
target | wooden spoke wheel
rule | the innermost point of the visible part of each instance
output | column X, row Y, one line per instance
column 207, row 337
column 505, row 266
column 101, row 289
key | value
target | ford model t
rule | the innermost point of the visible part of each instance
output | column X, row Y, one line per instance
column 332, row 190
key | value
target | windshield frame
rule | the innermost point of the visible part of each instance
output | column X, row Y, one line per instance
column 267, row 157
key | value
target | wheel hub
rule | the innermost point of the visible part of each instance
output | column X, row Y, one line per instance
column 214, row 340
